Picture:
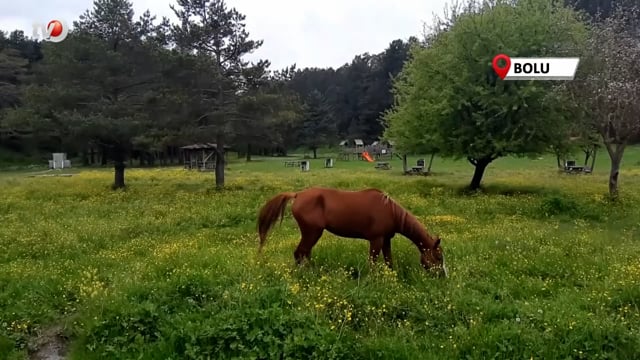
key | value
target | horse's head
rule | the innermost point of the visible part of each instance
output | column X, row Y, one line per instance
column 433, row 259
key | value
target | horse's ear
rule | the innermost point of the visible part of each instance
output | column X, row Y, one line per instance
column 437, row 243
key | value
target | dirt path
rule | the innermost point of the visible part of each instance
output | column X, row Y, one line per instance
column 50, row 345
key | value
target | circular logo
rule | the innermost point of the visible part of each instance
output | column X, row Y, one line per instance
column 57, row 30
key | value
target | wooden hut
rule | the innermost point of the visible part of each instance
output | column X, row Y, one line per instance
column 352, row 149
column 382, row 149
column 201, row 156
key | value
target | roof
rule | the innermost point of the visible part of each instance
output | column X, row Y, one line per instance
column 202, row 146
column 355, row 141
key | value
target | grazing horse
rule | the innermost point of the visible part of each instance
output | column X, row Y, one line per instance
column 366, row 214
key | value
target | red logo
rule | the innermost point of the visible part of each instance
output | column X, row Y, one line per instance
column 54, row 28
column 55, row 31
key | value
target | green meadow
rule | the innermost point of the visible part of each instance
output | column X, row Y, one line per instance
column 541, row 265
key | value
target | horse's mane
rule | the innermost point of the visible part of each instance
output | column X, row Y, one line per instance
column 409, row 225
column 399, row 213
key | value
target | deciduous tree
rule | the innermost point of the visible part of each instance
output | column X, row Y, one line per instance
column 450, row 97
column 607, row 87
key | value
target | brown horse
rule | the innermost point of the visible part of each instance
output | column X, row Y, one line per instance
column 367, row 214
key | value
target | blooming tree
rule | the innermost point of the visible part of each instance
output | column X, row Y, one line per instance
column 608, row 85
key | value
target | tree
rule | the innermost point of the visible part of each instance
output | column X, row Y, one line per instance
column 264, row 110
column 217, row 35
column 318, row 127
column 600, row 8
column 449, row 95
column 576, row 134
column 359, row 92
column 13, row 69
column 95, row 86
column 607, row 87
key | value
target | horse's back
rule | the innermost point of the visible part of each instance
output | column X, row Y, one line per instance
column 318, row 190
column 341, row 197
column 344, row 212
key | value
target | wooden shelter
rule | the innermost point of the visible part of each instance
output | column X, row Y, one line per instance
column 352, row 149
column 200, row 156
column 380, row 149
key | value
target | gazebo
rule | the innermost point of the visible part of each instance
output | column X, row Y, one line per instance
column 200, row 156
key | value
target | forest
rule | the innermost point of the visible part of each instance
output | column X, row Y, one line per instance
column 123, row 86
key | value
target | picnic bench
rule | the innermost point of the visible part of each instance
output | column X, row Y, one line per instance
column 383, row 165
column 292, row 163
column 570, row 167
column 419, row 169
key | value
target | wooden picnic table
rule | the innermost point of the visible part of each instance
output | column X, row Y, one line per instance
column 291, row 163
column 574, row 168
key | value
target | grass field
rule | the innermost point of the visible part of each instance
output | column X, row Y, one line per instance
column 541, row 265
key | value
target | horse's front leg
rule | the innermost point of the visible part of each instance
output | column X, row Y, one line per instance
column 386, row 251
column 375, row 245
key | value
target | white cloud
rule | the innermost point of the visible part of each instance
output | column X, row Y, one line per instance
column 317, row 33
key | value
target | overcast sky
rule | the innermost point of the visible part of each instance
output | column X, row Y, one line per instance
column 312, row 33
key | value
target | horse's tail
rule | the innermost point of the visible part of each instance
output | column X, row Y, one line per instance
column 270, row 212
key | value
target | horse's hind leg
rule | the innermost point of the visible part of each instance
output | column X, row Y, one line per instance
column 386, row 251
column 310, row 237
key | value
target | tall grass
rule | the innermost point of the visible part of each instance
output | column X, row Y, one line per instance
column 541, row 266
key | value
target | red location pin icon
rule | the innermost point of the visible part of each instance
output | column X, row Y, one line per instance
column 501, row 71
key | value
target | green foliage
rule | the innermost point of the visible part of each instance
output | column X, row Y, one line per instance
column 12, row 73
column 94, row 87
column 318, row 126
column 449, row 98
column 357, row 93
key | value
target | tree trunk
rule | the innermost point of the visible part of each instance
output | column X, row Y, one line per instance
column 248, row 152
column 587, row 155
column 431, row 162
column 85, row 158
column 615, row 152
column 404, row 163
column 92, row 156
column 613, row 178
column 103, row 160
column 559, row 163
column 118, row 166
column 118, row 181
column 220, row 161
column 315, row 153
column 480, row 167
column 593, row 158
